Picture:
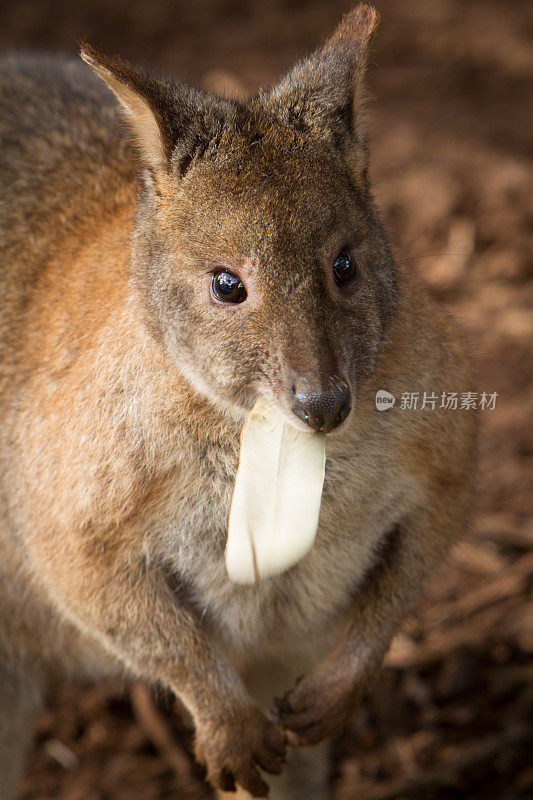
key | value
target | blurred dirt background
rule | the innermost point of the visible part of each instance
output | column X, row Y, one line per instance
column 451, row 125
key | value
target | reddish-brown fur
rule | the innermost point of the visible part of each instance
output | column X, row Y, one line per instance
column 124, row 389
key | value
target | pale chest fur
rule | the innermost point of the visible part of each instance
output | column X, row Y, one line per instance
column 364, row 496
column 96, row 467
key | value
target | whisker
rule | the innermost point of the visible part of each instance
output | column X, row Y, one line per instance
column 429, row 255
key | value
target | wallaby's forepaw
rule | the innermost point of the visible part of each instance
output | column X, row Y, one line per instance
column 235, row 745
column 319, row 705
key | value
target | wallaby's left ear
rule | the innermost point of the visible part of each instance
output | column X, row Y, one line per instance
column 325, row 92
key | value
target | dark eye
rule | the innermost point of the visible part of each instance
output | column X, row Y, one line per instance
column 344, row 269
column 227, row 288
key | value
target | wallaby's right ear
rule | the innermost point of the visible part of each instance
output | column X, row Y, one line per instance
column 146, row 104
column 171, row 122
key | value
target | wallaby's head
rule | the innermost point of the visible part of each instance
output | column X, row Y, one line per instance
column 257, row 251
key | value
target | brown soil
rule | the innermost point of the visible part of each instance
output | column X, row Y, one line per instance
column 451, row 129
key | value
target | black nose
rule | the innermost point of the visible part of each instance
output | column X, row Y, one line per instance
column 323, row 408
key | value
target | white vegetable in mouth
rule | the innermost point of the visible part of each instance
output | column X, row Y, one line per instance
column 276, row 499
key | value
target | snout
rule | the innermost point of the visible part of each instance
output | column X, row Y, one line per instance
column 324, row 406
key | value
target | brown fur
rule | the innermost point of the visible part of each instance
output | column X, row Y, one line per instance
column 124, row 389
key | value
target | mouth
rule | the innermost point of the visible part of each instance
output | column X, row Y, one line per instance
column 300, row 418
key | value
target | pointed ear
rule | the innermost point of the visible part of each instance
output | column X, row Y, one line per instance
column 146, row 104
column 325, row 92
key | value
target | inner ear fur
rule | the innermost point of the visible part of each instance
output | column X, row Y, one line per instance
column 172, row 123
column 145, row 102
column 324, row 93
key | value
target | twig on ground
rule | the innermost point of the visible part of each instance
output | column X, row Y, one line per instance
column 478, row 559
column 437, row 644
column 156, row 729
column 449, row 774
column 505, row 529
column 512, row 582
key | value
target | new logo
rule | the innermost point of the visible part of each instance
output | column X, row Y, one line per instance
column 384, row 400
